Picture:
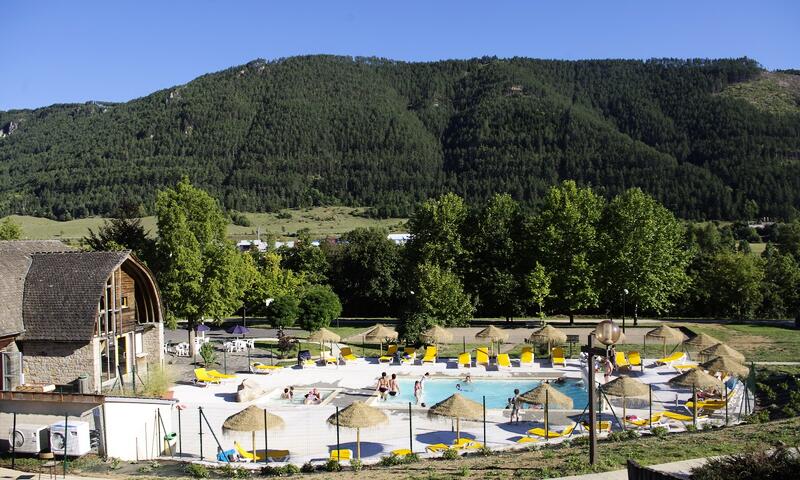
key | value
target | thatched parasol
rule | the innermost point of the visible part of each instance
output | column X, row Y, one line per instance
column 701, row 341
column 381, row 333
column 495, row 334
column 323, row 335
column 666, row 334
column 728, row 365
column 358, row 415
column 459, row 407
column 437, row 334
column 719, row 350
column 625, row 387
column 253, row 419
column 549, row 335
column 695, row 378
column 545, row 394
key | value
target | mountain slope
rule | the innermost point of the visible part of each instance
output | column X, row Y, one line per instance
column 337, row 130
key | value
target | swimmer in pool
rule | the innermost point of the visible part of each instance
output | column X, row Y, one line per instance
column 394, row 387
column 458, row 387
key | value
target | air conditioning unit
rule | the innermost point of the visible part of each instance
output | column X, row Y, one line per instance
column 29, row 438
column 75, row 436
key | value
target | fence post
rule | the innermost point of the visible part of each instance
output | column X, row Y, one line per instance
column 180, row 434
column 266, row 442
column 200, row 419
column 410, row 431
column 338, row 445
column 66, row 439
column 484, row 421
column 14, row 440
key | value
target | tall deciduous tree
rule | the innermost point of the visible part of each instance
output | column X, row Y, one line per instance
column 564, row 240
column 202, row 276
column 270, row 281
column 731, row 286
column 781, row 287
column 366, row 272
column 436, row 232
column 493, row 276
column 643, row 252
column 319, row 306
column 537, row 283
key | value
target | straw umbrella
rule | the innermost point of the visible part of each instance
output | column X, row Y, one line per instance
column 728, row 365
column 545, row 394
column 380, row 333
column 358, row 415
column 667, row 335
column 253, row 419
column 459, row 407
column 701, row 341
column 323, row 335
column 494, row 334
column 695, row 378
column 550, row 336
column 720, row 350
column 625, row 387
column 437, row 335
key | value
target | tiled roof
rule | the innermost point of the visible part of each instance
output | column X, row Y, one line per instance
column 62, row 291
column 14, row 262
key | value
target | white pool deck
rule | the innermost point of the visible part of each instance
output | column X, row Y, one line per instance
column 308, row 437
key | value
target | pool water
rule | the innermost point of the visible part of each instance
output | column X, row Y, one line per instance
column 298, row 398
column 497, row 392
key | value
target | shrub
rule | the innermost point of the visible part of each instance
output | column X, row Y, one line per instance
column 356, row 465
column 270, row 471
column 319, row 306
column 660, row 432
column 691, row 428
column 308, row 467
column 291, row 469
column 411, row 458
column 283, row 215
column 390, row 460
column 115, row 463
column 450, row 454
column 196, row 471
column 208, row 354
column 157, row 382
column 777, row 465
column 333, row 466
column 486, row 451
column 240, row 219
column 227, row 471
column 283, row 311
column 760, row 416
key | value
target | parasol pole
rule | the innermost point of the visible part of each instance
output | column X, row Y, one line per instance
column 338, row 445
column 458, row 428
column 266, row 442
column 358, row 444
column 650, row 392
column 694, row 406
column 547, row 414
column 624, row 411
column 255, row 458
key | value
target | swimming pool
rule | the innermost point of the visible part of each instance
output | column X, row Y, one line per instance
column 274, row 398
column 497, row 392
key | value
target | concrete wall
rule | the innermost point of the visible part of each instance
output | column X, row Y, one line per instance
column 133, row 430
column 153, row 343
column 57, row 363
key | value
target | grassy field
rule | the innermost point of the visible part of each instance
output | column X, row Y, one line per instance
column 321, row 221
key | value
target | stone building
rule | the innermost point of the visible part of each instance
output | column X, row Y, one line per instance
column 69, row 317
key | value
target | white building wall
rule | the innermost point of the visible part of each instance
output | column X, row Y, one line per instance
column 133, row 430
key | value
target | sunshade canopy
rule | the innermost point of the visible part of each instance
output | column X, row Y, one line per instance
column 548, row 335
column 727, row 365
column 437, row 334
column 359, row 415
column 493, row 333
column 323, row 335
column 666, row 334
column 720, row 349
column 701, row 341
column 546, row 393
column 251, row 419
column 458, row 406
column 696, row 378
column 625, row 387
column 380, row 333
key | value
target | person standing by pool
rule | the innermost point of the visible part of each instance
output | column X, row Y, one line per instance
column 422, row 380
column 383, row 386
column 515, row 401
column 394, row 387
column 418, row 391
column 608, row 367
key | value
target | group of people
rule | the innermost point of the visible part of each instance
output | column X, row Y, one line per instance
column 387, row 386
column 313, row 397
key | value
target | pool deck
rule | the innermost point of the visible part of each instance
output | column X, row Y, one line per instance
column 309, row 438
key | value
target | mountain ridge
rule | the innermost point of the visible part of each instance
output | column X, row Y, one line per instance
column 317, row 130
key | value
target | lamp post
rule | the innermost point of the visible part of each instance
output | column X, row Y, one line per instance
column 624, row 298
column 607, row 332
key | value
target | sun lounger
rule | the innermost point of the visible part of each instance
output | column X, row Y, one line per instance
column 558, row 357
column 635, row 359
column 621, row 360
column 526, row 357
column 308, row 362
column 344, row 454
column 465, row 360
column 528, row 439
column 221, row 376
column 437, row 447
column 329, row 360
column 467, row 444
column 503, row 361
column 401, row 452
column 539, row 432
column 244, row 455
column 430, row 355
column 681, row 417
column 409, row 355
column 202, row 376
column 670, row 359
column 602, row 426
column 346, row 354
column 258, row 367
column 390, row 353
column 657, row 419
column 482, row 356
column 683, row 367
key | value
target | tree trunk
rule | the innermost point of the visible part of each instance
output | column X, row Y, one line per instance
column 191, row 324
column 571, row 318
column 636, row 314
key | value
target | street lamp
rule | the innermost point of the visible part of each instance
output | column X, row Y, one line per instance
column 608, row 333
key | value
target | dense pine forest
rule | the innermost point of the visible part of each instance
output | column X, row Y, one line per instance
column 322, row 130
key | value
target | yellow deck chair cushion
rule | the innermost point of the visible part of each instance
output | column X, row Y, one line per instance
column 430, row 355
column 558, row 356
column 526, row 357
column 635, row 359
column 437, row 447
column 202, row 376
column 409, row 355
column 622, row 362
column 681, row 417
column 347, row 354
column 401, row 452
column 482, row 356
column 465, row 359
column 503, row 360
column 244, row 454
column 341, row 455
column 220, row 375
column 670, row 358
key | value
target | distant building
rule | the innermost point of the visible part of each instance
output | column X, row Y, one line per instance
column 68, row 315
column 245, row 245
column 399, row 238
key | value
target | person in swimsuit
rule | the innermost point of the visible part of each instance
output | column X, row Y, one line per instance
column 312, row 397
column 515, row 402
column 383, row 386
column 418, row 392
column 286, row 395
column 394, row 387
column 468, row 378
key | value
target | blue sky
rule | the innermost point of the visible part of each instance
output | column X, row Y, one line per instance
column 74, row 51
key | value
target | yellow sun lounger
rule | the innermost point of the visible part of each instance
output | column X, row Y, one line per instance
column 344, row 454
column 644, row 422
column 465, row 360
column 329, row 360
column 683, row 367
column 668, row 360
column 527, row 439
column 602, row 426
column 526, row 357
column 482, row 356
column 272, row 455
column 347, row 355
column 430, row 355
column 261, row 368
column 220, row 375
column 558, row 357
column 503, row 361
column 202, row 376
column 539, row 432
column 390, row 353
column 437, row 447
column 409, row 355
column 635, row 359
column 467, row 444
column 681, row 417
column 621, row 360
column 401, row 452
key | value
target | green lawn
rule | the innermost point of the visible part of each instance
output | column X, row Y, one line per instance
column 321, row 221
column 757, row 342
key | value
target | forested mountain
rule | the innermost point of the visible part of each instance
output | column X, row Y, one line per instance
column 365, row 131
